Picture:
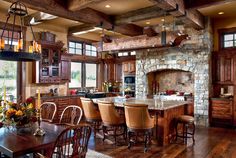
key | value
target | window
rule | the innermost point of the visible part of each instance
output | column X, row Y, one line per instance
column 76, row 75
column 229, row 40
column 90, row 50
column 123, row 54
column 8, row 77
column 91, row 75
column 83, row 68
column 75, row 48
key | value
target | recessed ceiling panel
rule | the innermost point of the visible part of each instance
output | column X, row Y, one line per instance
column 229, row 10
column 118, row 7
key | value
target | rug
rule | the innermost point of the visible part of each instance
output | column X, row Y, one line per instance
column 95, row 154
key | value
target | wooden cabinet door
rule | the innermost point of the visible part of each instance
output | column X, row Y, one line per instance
column 132, row 66
column 118, row 72
column 125, row 67
column 228, row 69
column 65, row 70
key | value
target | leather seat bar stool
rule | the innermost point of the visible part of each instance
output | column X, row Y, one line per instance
column 113, row 124
column 92, row 114
column 188, row 128
column 138, row 120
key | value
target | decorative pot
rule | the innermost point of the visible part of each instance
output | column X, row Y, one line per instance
column 24, row 129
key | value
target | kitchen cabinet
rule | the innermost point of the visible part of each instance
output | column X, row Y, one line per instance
column 221, row 111
column 223, row 69
column 129, row 66
column 53, row 66
column 118, row 73
column 65, row 67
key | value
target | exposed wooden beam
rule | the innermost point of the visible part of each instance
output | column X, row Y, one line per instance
column 80, row 28
column 129, row 29
column 133, row 43
column 196, row 4
column 75, row 5
column 138, row 15
column 53, row 7
column 177, row 9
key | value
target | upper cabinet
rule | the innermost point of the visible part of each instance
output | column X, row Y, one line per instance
column 53, row 67
column 223, row 68
column 129, row 67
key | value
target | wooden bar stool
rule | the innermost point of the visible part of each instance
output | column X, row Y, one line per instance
column 187, row 123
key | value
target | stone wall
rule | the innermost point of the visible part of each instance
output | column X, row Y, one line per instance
column 193, row 56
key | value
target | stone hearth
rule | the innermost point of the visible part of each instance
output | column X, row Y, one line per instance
column 193, row 56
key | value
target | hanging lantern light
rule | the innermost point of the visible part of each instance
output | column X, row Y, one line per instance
column 17, row 52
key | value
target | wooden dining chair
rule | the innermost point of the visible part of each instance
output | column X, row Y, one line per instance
column 48, row 111
column 71, row 115
column 71, row 143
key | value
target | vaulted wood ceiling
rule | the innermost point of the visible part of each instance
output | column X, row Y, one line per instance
column 127, row 17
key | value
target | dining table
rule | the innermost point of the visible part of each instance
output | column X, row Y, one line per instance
column 13, row 144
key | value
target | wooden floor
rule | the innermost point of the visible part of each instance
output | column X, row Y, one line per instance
column 209, row 143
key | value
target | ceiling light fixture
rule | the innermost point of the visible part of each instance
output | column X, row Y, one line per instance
column 162, row 20
column 220, row 13
column 107, row 6
column 16, row 52
column 148, row 22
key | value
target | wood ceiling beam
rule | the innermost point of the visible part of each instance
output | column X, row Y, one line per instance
column 196, row 4
column 177, row 9
column 75, row 5
column 141, row 42
column 138, row 15
column 53, row 7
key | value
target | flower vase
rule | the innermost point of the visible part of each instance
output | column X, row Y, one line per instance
column 24, row 129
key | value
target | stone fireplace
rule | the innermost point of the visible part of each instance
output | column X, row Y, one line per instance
column 170, row 80
column 192, row 58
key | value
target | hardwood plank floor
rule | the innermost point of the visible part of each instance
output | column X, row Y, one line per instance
column 209, row 143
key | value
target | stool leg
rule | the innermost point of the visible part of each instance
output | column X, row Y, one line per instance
column 129, row 137
column 193, row 133
column 176, row 131
column 146, row 139
column 186, row 133
column 115, row 134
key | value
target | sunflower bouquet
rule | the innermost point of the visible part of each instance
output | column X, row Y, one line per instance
column 19, row 114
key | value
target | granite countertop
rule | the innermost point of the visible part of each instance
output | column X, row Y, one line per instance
column 153, row 104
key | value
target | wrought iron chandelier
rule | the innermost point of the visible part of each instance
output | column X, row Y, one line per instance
column 17, row 52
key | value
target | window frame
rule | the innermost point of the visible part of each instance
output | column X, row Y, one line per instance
column 222, row 33
column 84, row 59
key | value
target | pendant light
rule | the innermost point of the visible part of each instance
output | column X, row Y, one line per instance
column 17, row 52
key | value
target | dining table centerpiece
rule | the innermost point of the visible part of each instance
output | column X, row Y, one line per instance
column 20, row 116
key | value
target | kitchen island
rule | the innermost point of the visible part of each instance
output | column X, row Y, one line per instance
column 164, row 112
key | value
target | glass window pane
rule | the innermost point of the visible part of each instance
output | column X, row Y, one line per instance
column 228, row 37
column 88, row 47
column 8, row 78
column 71, row 50
column 228, row 44
column 125, row 54
column 91, row 75
column 78, row 51
column 88, row 52
column 79, row 45
column 133, row 53
column 72, row 44
column 94, row 48
column 120, row 54
column 75, row 75
column 94, row 54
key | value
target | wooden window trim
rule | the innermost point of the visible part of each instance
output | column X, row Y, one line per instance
column 221, row 33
